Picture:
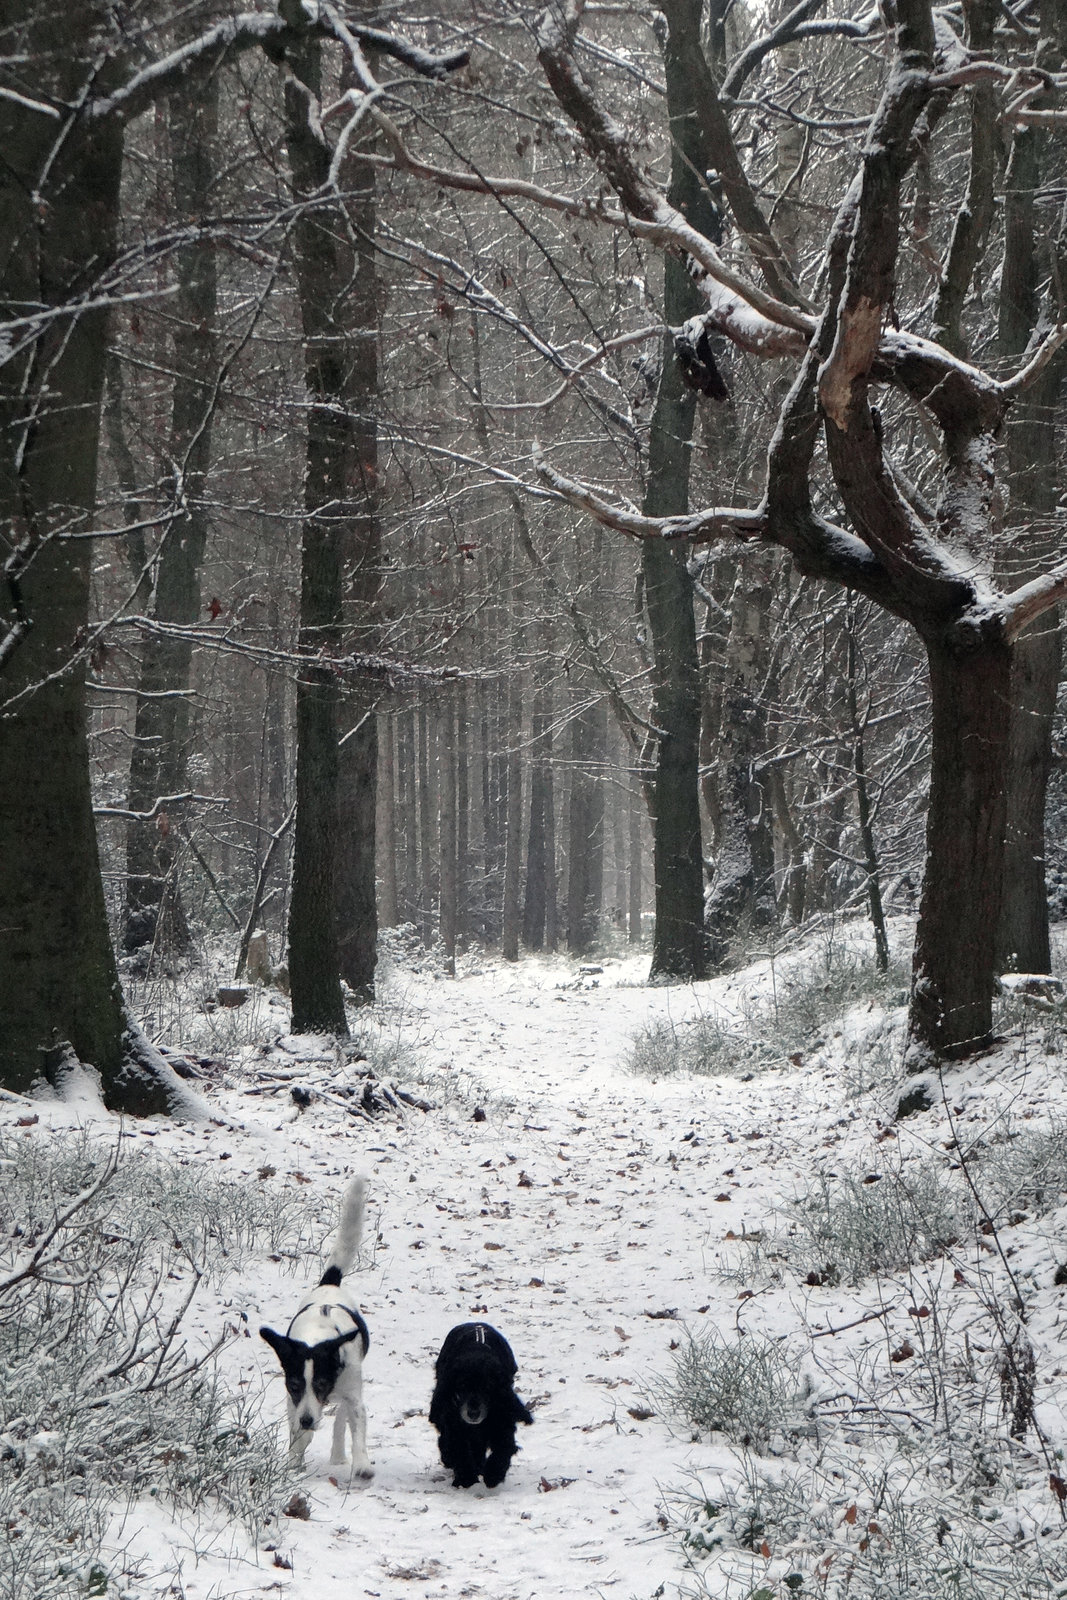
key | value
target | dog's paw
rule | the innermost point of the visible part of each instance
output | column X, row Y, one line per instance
column 366, row 1471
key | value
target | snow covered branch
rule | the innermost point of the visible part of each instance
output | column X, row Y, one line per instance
column 698, row 527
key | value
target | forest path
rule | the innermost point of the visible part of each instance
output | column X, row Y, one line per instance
column 578, row 1208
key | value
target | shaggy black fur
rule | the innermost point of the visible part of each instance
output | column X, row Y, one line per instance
column 474, row 1407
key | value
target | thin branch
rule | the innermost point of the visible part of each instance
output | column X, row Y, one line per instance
column 697, row 527
column 161, row 801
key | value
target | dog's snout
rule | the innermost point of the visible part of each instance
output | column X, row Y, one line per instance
column 307, row 1420
column 474, row 1412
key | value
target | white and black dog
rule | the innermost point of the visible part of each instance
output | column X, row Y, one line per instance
column 474, row 1407
column 323, row 1348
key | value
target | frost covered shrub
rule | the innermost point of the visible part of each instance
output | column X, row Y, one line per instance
column 776, row 1530
column 766, row 1031
column 101, row 1398
column 854, row 1226
column 1024, row 1171
column 707, row 1045
column 743, row 1388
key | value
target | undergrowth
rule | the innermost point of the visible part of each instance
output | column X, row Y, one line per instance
column 774, row 1029
column 743, row 1388
column 103, row 1400
column 886, row 1530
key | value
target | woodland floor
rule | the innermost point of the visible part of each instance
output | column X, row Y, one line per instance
column 600, row 1220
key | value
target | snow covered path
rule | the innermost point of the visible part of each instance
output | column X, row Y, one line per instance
column 577, row 1208
column 595, row 1218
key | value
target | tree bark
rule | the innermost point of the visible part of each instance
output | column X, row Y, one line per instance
column 314, row 960
column 355, row 289
column 537, row 865
column 1032, row 235
column 952, row 998
column 58, row 217
column 679, row 950
column 585, row 835
column 741, row 894
column 154, row 915
column 386, row 831
column 511, row 912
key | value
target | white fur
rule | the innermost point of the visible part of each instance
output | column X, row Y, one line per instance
column 328, row 1312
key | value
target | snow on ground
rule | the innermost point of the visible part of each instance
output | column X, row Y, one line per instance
column 594, row 1217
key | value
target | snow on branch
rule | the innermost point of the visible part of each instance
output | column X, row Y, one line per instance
column 697, row 527
column 1033, row 599
column 270, row 33
column 161, row 802
column 795, row 24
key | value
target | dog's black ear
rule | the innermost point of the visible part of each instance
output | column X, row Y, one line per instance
column 521, row 1412
column 280, row 1343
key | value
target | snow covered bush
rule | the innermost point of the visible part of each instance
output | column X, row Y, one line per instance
column 103, row 1400
column 743, row 1388
column 1024, row 1170
column 861, row 1225
column 805, row 999
column 770, row 1530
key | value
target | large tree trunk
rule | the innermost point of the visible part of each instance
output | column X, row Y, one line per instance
column 356, row 290
column 511, row 909
column 58, row 211
column 741, row 896
column 679, row 949
column 386, row 830
column 446, row 745
column 1033, row 490
column 154, row 914
column 537, row 866
column 314, row 963
column 952, row 997
column 585, row 838
column 355, row 887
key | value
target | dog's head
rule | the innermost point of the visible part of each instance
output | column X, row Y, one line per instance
column 475, row 1386
column 311, row 1371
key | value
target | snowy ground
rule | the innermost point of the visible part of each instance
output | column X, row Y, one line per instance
column 598, row 1219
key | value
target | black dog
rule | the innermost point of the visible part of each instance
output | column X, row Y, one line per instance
column 474, row 1407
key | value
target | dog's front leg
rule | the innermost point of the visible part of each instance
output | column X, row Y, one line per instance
column 357, row 1421
column 299, row 1439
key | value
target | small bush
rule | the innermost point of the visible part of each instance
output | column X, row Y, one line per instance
column 742, row 1388
column 1023, row 1171
column 765, row 1032
column 772, row 1531
column 854, row 1226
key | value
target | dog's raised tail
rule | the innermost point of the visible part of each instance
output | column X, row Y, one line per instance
column 349, row 1232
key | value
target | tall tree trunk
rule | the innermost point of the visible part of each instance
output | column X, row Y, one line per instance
column 446, row 745
column 537, row 865
column 952, row 996
column 679, row 948
column 427, row 827
column 511, row 912
column 741, row 896
column 407, row 794
column 636, row 810
column 58, row 218
column 386, row 831
column 1033, row 234
column 314, row 962
column 356, row 886
column 463, row 818
column 154, row 915
column 585, row 841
